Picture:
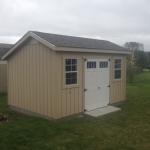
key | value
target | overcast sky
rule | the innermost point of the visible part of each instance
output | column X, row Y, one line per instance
column 118, row 21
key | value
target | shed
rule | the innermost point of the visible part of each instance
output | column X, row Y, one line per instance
column 56, row 76
column 3, row 67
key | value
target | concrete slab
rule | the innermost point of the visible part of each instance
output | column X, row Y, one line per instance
column 102, row 111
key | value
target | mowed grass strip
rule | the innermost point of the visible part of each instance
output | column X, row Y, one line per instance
column 128, row 129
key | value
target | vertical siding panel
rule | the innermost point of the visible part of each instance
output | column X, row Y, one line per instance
column 64, row 103
column 21, row 78
column 58, row 84
column 35, row 59
column 124, row 85
column 16, row 79
column 114, row 93
column 80, row 85
column 45, row 81
column 53, row 77
column 72, row 101
column 27, row 77
column 68, row 102
column 19, row 86
column 38, row 79
column 31, row 92
column 76, row 101
column 49, row 82
column 41, row 79
column 25, row 81
column 9, row 82
column 12, row 86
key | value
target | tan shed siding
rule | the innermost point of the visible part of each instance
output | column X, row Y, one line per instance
column 31, row 79
column 69, row 98
column 3, row 77
column 118, row 87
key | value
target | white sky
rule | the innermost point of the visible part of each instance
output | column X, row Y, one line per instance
column 118, row 21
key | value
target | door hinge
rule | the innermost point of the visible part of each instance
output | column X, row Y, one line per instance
column 85, row 90
column 85, row 59
column 108, row 59
column 85, row 110
column 108, row 86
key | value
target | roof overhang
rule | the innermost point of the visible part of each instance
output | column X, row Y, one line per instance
column 53, row 47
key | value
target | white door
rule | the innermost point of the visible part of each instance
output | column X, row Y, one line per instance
column 96, row 83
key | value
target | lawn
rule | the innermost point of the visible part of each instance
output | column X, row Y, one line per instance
column 128, row 129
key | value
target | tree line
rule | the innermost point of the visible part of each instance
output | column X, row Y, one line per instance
column 138, row 58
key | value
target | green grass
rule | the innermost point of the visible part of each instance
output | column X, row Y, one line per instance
column 128, row 129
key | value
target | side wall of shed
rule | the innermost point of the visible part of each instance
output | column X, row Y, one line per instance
column 70, row 100
column 3, row 77
column 31, row 79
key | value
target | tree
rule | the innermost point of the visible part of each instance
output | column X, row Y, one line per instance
column 140, row 58
column 137, row 52
column 131, row 68
column 134, row 46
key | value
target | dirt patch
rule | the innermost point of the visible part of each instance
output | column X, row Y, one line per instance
column 4, row 117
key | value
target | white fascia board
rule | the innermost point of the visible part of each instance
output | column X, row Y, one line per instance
column 65, row 49
column 3, row 62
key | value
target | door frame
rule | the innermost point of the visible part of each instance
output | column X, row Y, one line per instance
column 85, row 58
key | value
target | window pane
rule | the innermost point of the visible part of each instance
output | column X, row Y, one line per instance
column 74, row 75
column 116, row 61
column 74, row 80
column 68, row 61
column 106, row 64
column 117, row 74
column 68, row 68
column 68, row 81
column 68, row 75
column 74, row 61
column 94, row 64
column 74, row 68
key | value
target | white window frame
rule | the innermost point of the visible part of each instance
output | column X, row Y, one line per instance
column 118, row 69
column 71, row 72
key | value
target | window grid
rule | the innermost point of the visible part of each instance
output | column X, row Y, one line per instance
column 71, row 71
column 117, row 69
column 91, row 64
column 103, row 64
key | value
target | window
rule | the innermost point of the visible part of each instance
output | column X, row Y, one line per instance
column 117, row 69
column 103, row 64
column 91, row 64
column 71, row 71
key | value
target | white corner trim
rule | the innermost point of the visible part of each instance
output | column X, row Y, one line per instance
column 3, row 62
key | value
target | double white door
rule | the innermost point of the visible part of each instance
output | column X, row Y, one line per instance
column 96, row 83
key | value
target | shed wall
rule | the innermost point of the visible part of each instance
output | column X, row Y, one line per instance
column 31, row 81
column 71, row 98
column 3, row 77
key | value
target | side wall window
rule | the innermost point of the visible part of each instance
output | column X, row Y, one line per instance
column 117, row 68
column 71, row 71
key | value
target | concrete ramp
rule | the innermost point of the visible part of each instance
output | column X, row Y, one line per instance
column 102, row 111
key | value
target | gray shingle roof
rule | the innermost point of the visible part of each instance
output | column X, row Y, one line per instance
column 4, row 49
column 77, row 42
